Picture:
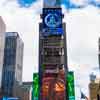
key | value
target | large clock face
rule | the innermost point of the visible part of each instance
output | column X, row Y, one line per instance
column 50, row 2
column 52, row 20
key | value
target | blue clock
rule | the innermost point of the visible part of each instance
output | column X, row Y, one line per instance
column 52, row 20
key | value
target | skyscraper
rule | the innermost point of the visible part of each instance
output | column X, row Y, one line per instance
column 12, row 64
column 2, row 40
column 52, row 53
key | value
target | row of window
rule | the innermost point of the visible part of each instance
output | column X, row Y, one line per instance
column 10, row 42
column 7, row 81
column 9, row 60
column 53, row 52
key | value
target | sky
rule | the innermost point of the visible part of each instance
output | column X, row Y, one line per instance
column 82, row 19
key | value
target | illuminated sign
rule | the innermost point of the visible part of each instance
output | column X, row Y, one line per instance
column 52, row 22
column 71, row 87
column 52, row 18
column 35, row 86
column 56, row 31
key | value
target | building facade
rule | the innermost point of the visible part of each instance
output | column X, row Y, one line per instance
column 12, row 64
column 24, row 91
column 94, row 89
column 52, row 53
column 2, row 43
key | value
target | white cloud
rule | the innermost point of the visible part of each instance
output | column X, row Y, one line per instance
column 82, row 34
column 85, row 3
column 79, row 2
column 83, row 31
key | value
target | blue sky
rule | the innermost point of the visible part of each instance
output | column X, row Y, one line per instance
column 82, row 28
column 25, row 3
column 69, row 4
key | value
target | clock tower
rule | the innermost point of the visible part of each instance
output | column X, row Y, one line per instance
column 52, row 53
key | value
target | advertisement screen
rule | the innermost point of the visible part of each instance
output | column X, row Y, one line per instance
column 71, row 87
column 35, row 86
column 45, row 31
column 52, row 31
column 53, row 88
column 52, row 18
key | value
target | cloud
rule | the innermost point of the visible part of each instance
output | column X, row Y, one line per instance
column 87, row 28
column 26, row 3
column 82, row 28
column 20, row 3
column 77, row 4
column 69, row 4
column 94, row 2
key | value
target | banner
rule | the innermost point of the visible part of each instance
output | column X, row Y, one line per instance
column 71, row 87
column 35, row 92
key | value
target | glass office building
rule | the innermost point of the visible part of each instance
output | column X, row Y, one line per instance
column 12, row 64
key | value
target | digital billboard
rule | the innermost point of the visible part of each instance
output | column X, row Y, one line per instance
column 45, row 31
column 52, row 31
column 52, row 22
column 52, row 17
column 53, row 88
column 71, row 87
column 35, row 94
